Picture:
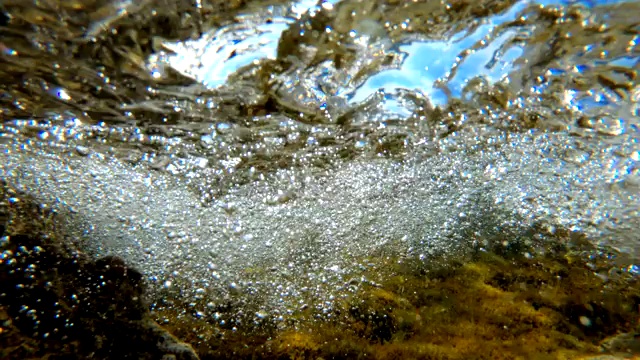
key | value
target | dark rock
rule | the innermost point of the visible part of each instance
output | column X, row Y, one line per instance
column 57, row 302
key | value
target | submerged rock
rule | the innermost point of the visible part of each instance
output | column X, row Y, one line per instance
column 57, row 302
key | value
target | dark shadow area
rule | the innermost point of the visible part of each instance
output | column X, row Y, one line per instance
column 57, row 303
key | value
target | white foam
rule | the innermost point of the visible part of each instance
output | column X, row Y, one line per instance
column 298, row 232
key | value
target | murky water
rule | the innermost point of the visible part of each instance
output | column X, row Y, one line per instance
column 261, row 152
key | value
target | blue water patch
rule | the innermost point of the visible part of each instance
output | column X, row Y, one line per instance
column 440, row 69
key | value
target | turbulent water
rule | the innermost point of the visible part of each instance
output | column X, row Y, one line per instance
column 264, row 153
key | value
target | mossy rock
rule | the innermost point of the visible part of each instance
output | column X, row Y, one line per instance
column 548, row 300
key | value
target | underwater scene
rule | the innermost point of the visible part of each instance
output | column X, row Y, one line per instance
column 339, row 179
